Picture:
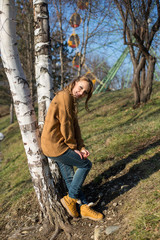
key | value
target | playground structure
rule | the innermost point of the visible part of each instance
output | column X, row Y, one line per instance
column 112, row 72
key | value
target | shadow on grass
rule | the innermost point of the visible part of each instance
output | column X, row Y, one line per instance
column 116, row 186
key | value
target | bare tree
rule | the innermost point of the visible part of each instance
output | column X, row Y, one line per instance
column 61, row 53
column 92, row 26
column 59, row 16
column 98, row 65
column 141, row 22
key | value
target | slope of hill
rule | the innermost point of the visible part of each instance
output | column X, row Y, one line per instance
column 125, row 151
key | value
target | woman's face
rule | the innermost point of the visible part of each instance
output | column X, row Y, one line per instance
column 80, row 89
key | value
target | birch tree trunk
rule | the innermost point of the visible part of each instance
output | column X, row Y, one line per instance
column 31, row 51
column 45, row 189
column 43, row 72
column 43, row 64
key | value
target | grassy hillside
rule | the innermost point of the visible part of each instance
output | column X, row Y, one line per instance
column 125, row 150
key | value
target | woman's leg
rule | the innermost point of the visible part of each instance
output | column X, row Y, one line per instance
column 73, row 180
column 68, row 173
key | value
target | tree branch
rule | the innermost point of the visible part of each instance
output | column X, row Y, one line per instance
column 126, row 31
column 156, row 26
column 141, row 46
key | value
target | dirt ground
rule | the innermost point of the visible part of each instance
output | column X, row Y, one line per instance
column 23, row 221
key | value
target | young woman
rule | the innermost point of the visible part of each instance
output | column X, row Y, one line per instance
column 61, row 141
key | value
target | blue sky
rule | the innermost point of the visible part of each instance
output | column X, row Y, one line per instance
column 114, row 45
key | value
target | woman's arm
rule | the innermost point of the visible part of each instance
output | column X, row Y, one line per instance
column 66, row 119
column 79, row 140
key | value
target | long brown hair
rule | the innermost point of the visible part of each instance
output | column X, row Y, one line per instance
column 82, row 78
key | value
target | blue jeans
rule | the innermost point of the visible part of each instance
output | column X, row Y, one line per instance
column 73, row 180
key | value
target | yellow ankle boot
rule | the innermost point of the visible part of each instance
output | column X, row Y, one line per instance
column 70, row 205
column 88, row 212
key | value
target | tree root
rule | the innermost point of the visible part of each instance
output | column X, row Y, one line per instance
column 61, row 226
column 58, row 218
column 53, row 211
column 56, row 232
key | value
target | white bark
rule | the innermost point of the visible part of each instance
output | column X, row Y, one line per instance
column 40, row 1
column 43, row 64
column 43, row 68
column 46, row 192
column 22, row 100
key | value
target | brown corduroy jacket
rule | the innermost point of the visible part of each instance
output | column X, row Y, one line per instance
column 61, row 129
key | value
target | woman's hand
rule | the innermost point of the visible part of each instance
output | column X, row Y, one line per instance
column 79, row 153
column 85, row 153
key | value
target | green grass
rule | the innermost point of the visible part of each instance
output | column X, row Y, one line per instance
column 15, row 180
column 147, row 221
column 114, row 118
column 114, row 133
